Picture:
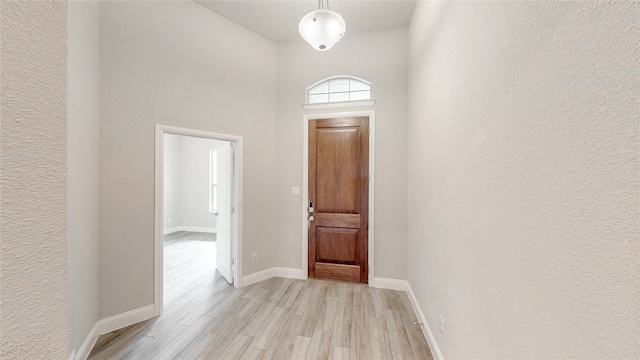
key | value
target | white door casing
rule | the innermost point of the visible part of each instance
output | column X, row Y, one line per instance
column 236, row 200
column 223, row 237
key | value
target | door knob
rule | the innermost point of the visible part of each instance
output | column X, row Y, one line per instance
column 311, row 218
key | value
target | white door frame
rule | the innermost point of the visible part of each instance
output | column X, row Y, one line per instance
column 236, row 248
column 305, row 183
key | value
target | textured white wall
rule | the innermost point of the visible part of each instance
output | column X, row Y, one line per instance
column 177, row 64
column 524, row 177
column 33, row 168
column 380, row 57
column 83, row 157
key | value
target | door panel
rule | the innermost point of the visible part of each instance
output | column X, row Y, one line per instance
column 337, row 185
column 339, row 190
column 336, row 245
column 223, row 237
column 338, row 272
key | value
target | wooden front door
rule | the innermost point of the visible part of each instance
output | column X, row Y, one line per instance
column 339, row 199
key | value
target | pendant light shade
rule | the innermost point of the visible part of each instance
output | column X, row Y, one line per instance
column 322, row 29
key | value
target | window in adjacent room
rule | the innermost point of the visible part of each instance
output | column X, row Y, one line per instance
column 213, row 181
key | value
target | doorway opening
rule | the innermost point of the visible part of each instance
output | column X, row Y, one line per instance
column 198, row 187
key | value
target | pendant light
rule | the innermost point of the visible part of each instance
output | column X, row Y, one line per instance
column 322, row 28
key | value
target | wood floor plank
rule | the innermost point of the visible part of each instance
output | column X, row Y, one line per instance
column 298, row 348
column 224, row 338
column 236, row 348
column 320, row 346
column 327, row 316
column 310, row 318
column 220, row 323
column 284, row 336
column 344, row 318
column 401, row 356
column 302, row 300
column 255, row 323
column 196, row 346
column 206, row 318
column 360, row 347
column 252, row 354
column 184, row 339
column 252, row 307
column 126, row 351
column 398, row 334
column 153, row 348
column 338, row 353
column 380, row 344
column 268, row 330
column 205, row 306
column 290, row 294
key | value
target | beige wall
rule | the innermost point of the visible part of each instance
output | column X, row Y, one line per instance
column 524, row 178
column 83, row 158
column 177, row 64
column 33, row 168
column 379, row 57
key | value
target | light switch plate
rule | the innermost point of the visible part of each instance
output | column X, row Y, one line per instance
column 295, row 191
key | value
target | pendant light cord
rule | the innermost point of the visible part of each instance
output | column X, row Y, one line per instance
column 321, row 4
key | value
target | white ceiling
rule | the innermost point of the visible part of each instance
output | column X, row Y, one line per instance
column 277, row 20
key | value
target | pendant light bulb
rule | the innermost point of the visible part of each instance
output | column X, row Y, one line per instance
column 322, row 28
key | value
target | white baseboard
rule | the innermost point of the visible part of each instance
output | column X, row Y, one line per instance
column 257, row 277
column 190, row 228
column 391, row 284
column 435, row 350
column 125, row 319
column 87, row 345
column 198, row 229
column 110, row 324
column 171, row 230
column 288, row 273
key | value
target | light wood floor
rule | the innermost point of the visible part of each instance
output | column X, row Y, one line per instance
column 206, row 318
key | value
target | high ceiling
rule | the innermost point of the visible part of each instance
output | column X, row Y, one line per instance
column 278, row 20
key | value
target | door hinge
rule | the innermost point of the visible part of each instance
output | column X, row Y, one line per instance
column 233, row 209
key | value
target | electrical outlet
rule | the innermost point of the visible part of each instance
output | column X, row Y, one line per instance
column 168, row 219
column 442, row 325
column 254, row 257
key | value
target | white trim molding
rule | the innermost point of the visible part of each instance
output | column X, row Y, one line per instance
column 171, row 230
column 426, row 330
column 305, row 181
column 110, row 324
column 125, row 319
column 236, row 249
column 87, row 345
column 391, row 284
column 341, row 104
column 174, row 229
column 282, row 272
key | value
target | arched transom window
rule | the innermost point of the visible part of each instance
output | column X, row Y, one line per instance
column 339, row 89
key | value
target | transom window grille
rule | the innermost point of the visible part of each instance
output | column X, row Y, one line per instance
column 338, row 89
